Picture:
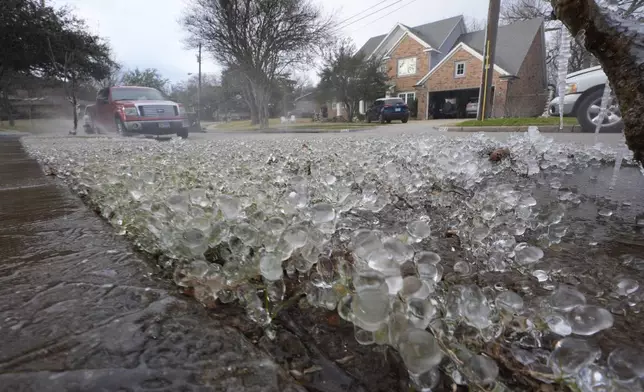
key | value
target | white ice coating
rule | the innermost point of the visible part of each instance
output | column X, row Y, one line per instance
column 606, row 99
column 359, row 221
column 562, row 70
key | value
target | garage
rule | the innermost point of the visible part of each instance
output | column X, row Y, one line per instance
column 453, row 103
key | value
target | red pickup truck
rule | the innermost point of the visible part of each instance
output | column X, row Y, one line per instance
column 136, row 110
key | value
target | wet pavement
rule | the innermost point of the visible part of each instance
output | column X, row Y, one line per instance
column 80, row 311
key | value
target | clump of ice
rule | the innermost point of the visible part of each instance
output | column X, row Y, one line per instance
column 358, row 221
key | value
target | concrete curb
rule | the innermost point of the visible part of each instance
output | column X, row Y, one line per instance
column 522, row 128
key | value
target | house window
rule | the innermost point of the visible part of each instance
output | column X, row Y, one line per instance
column 407, row 97
column 459, row 69
column 407, row 66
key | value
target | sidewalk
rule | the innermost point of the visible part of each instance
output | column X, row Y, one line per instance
column 81, row 312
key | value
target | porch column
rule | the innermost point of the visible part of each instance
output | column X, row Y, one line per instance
column 361, row 107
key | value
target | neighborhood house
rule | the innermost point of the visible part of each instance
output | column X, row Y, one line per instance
column 439, row 65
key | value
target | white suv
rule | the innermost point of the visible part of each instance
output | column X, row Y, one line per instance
column 584, row 90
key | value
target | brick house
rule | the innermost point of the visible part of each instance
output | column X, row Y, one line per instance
column 441, row 61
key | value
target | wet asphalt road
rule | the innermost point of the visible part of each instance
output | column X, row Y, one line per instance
column 81, row 312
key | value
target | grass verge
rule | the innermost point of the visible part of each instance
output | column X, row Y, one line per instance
column 517, row 121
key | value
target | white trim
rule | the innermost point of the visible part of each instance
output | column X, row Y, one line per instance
column 456, row 64
column 462, row 20
column 467, row 48
column 407, row 31
column 405, row 93
column 431, row 50
column 389, row 52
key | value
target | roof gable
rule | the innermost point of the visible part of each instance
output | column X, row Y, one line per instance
column 401, row 39
column 431, row 34
column 460, row 46
column 396, row 35
column 513, row 42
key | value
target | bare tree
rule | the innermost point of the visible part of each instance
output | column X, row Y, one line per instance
column 303, row 85
column 616, row 39
column 474, row 24
column 262, row 39
column 112, row 79
column 517, row 10
column 77, row 57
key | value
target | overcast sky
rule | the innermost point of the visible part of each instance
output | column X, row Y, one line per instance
column 146, row 33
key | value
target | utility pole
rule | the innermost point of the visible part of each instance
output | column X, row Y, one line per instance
column 199, row 88
column 485, row 92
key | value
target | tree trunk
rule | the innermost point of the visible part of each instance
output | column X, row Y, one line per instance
column 74, row 103
column 75, row 111
column 261, row 101
column 616, row 44
column 7, row 107
column 254, row 116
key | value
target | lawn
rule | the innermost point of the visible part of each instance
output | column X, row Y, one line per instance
column 41, row 125
column 517, row 121
column 20, row 125
column 300, row 124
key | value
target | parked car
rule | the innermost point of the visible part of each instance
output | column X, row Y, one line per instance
column 388, row 109
column 584, row 90
column 138, row 110
column 472, row 107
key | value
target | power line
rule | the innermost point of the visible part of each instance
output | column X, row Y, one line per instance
column 384, row 16
column 368, row 15
column 359, row 13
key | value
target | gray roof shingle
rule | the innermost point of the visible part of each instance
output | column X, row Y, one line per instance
column 512, row 43
column 371, row 45
column 433, row 33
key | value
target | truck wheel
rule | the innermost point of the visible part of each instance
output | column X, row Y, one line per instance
column 120, row 127
column 588, row 110
column 183, row 133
